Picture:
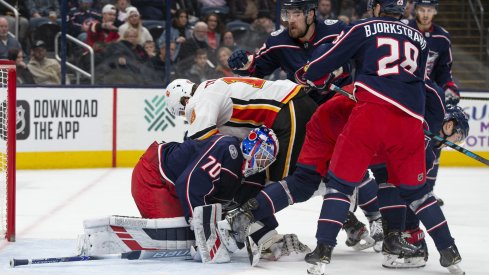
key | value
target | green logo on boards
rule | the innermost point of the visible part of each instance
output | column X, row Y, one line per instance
column 157, row 115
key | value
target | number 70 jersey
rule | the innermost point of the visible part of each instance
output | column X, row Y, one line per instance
column 235, row 105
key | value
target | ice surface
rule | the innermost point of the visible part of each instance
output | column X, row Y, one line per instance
column 51, row 205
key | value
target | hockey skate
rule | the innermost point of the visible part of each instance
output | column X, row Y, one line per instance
column 357, row 234
column 240, row 220
column 318, row 259
column 377, row 233
column 283, row 247
column 398, row 253
column 449, row 258
column 416, row 237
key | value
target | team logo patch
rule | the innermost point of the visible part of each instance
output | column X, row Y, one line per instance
column 420, row 177
column 330, row 22
column 277, row 32
column 192, row 117
column 233, row 151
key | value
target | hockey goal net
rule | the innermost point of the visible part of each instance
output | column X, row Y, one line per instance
column 8, row 115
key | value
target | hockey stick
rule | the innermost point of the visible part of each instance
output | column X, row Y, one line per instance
column 427, row 133
column 474, row 98
column 456, row 147
column 131, row 255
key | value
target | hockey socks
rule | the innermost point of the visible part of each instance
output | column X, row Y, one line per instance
column 392, row 206
column 367, row 199
column 334, row 212
column 430, row 214
column 298, row 187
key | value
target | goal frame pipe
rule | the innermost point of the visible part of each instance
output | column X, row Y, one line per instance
column 11, row 150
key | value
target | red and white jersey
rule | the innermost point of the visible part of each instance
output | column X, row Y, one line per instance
column 235, row 105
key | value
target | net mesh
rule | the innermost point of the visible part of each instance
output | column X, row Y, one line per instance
column 3, row 149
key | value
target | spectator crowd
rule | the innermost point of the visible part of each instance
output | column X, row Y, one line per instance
column 129, row 37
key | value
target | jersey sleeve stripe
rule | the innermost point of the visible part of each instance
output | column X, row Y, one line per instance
column 162, row 172
column 292, row 93
column 206, row 133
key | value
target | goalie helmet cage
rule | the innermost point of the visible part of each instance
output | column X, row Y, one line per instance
column 8, row 116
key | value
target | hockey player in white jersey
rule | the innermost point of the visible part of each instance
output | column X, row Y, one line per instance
column 234, row 105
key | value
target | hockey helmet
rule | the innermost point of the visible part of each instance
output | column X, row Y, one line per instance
column 177, row 93
column 426, row 3
column 260, row 149
column 461, row 121
column 304, row 5
column 389, row 6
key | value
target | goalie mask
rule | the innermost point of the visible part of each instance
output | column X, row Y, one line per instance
column 178, row 92
column 460, row 122
column 260, row 149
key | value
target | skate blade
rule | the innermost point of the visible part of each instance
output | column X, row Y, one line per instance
column 378, row 246
column 364, row 243
column 394, row 262
column 316, row 269
column 455, row 269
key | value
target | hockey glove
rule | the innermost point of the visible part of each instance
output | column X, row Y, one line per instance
column 323, row 83
column 452, row 95
column 238, row 61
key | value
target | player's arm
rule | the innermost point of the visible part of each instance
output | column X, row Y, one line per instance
column 203, row 119
column 329, row 57
column 261, row 64
column 443, row 74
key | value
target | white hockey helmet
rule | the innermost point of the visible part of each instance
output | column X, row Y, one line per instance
column 177, row 94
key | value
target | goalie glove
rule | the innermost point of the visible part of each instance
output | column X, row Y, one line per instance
column 241, row 62
column 282, row 247
column 452, row 94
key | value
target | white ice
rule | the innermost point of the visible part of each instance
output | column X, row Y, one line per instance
column 52, row 204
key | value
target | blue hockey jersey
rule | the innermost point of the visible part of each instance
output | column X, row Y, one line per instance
column 439, row 64
column 282, row 51
column 390, row 59
column 202, row 171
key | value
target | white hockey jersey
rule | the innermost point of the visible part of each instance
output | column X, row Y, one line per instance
column 235, row 105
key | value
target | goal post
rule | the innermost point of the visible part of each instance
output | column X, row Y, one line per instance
column 8, row 117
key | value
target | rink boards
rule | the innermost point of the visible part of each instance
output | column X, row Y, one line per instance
column 111, row 127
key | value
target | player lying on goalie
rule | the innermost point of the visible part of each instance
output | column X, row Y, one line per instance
column 195, row 182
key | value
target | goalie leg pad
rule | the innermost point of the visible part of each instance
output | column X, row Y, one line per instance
column 207, row 239
column 118, row 234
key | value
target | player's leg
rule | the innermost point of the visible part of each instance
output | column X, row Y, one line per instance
column 290, row 128
column 405, row 170
column 352, row 155
column 153, row 197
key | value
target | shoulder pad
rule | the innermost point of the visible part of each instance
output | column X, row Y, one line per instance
column 443, row 29
column 277, row 32
column 330, row 21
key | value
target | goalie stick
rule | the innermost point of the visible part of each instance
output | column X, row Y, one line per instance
column 131, row 255
column 426, row 132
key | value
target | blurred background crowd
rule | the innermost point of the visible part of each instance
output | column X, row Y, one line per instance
column 129, row 40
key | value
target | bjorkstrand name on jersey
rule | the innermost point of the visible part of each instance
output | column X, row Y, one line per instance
column 395, row 29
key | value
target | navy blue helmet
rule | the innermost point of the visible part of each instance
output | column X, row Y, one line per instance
column 299, row 4
column 389, row 6
column 426, row 2
column 460, row 118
